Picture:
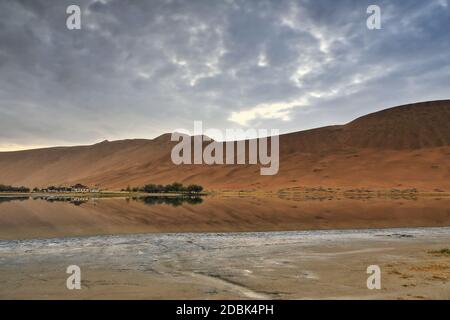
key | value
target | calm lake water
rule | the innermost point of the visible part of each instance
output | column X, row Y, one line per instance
column 50, row 217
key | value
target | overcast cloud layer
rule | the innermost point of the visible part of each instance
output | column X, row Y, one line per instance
column 138, row 69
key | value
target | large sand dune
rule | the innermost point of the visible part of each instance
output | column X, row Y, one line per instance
column 401, row 147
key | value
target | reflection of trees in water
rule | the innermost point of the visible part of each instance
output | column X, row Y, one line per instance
column 174, row 201
column 150, row 200
column 7, row 199
column 74, row 200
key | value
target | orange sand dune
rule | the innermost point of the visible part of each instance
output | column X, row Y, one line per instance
column 401, row 147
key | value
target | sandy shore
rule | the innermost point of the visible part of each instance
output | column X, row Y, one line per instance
column 273, row 265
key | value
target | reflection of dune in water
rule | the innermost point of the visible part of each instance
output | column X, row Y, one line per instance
column 43, row 219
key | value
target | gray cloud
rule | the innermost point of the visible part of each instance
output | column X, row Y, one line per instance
column 141, row 68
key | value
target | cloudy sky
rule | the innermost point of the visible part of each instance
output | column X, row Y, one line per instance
column 138, row 69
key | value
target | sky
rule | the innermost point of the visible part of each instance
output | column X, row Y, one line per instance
column 138, row 69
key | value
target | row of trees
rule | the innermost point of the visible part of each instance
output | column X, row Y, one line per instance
column 4, row 188
column 175, row 187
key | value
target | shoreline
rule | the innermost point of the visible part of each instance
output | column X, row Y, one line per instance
column 326, row 192
column 109, row 194
column 306, row 232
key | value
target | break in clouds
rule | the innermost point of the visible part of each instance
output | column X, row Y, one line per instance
column 138, row 69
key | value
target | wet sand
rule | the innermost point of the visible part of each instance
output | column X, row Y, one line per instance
column 268, row 265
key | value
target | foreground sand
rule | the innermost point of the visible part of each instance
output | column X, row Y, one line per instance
column 273, row 265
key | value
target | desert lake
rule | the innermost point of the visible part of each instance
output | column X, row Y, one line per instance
column 224, row 247
column 50, row 217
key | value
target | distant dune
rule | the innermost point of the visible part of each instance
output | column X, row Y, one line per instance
column 402, row 147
